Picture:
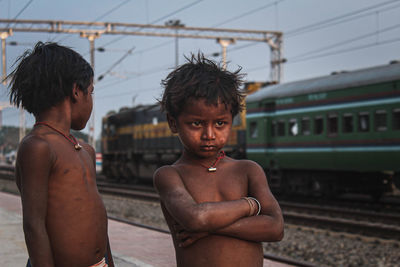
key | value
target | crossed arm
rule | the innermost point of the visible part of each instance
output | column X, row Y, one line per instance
column 230, row 218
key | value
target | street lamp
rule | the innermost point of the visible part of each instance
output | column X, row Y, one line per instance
column 176, row 24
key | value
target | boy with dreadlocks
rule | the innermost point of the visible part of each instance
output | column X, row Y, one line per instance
column 64, row 219
column 218, row 209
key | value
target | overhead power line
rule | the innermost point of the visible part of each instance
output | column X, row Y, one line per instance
column 250, row 12
column 332, row 53
column 116, row 64
column 23, row 9
column 327, row 22
column 159, row 19
column 108, row 12
column 133, row 76
column 344, row 42
column 111, row 10
column 345, row 50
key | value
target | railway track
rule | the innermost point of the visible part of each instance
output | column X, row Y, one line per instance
column 372, row 223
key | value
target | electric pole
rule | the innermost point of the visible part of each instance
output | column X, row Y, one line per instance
column 91, row 37
column 3, row 36
column 177, row 24
column 224, row 43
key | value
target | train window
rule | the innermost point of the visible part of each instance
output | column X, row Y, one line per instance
column 363, row 122
column 112, row 130
column 332, row 124
column 305, row 126
column 293, row 127
column 155, row 121
column 104, row 131
column 396, row 119
column 273, row 128
column 253, row 129
column 281, row 128
column 318, row 125
column 348, row 123
column 380, row 120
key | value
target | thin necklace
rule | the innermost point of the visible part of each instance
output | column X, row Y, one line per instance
column 77, row 146
column 213, row 167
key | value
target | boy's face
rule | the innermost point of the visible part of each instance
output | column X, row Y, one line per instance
column 203, row 129
column 84, row 106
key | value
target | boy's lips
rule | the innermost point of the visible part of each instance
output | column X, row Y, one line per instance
column 210, row 147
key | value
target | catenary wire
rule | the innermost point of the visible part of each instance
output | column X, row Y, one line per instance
column 20, row 12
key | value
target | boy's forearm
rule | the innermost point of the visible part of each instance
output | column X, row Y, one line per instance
column 209, row 216
column 261, row 228
column 38, row 245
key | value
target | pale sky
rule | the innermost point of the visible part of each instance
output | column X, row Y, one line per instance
column 319, row 37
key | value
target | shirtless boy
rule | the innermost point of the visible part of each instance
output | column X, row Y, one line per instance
column 64, row 219
column 205, row 196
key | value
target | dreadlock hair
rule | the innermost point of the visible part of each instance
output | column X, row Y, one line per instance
column 46, row 76
column 202, row 78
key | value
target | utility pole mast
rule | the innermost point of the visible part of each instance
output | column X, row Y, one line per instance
column 3, row 36
column 3, row 105
column 224, row 43
column 91, row 37
column 177, row 24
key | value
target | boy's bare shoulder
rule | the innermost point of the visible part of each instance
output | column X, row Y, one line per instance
column 89, row 149
column 34, row 143
column 167, row 178
column 246, row 165
column 165, row 171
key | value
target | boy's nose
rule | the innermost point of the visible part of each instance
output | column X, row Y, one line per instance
column 208, row 133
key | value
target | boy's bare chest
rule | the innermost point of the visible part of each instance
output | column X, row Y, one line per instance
column 75, row 167
column 216, row 186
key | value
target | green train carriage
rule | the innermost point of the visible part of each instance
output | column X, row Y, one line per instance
column 329, row 135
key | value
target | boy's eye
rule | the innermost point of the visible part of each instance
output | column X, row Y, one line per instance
column 220, row 123
column 196, row 123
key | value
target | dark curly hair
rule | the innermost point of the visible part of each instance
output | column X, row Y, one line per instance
column 45, row 76
column 202, row 78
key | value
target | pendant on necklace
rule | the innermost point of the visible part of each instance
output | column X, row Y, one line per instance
column 78, row 147
column 212, row 169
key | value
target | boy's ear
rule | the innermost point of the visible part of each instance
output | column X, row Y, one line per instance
column 75, row 93
column 172, row 124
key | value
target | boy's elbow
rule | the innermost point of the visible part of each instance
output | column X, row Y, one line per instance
column 279, row 231
column 197, row 222
column 280, row 234
column 274, row 232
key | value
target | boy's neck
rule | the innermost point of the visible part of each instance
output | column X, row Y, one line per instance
column 59, row 117
column 209, row 163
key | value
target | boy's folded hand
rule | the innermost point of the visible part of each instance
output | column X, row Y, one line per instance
column 188, row 238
